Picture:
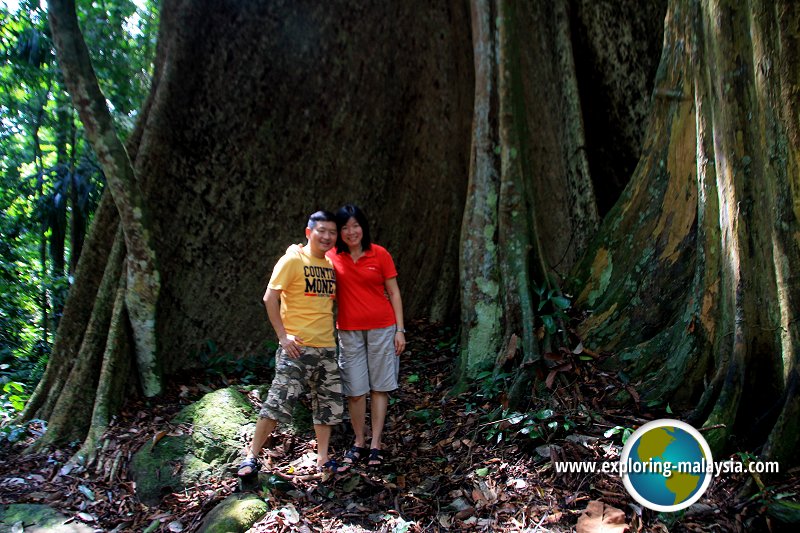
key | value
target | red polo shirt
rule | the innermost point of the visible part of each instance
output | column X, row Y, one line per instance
column 360, row 289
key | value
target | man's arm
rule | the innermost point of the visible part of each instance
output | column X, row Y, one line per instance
column 290, row 343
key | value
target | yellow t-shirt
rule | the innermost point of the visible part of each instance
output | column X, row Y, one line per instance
column 308, row 288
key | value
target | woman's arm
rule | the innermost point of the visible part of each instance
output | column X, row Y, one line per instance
column 393, row 290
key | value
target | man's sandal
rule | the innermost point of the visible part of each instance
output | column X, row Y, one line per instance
column 354, row 455
column 251, row 463
column 329, row 469
column 377, row 458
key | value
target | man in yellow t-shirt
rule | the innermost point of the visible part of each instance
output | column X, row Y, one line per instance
column 299, row 302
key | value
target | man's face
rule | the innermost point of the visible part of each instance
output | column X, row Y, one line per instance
column 322, row 237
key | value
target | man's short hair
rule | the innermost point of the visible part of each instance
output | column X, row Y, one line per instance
column 320, row 216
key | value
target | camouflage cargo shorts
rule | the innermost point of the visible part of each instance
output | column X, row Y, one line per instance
column 317, row 372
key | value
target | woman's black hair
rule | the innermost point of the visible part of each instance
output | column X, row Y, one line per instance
column 342, row 216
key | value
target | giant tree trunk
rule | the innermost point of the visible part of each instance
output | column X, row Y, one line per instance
column 261, row 113
column 266, row 112
column 690, row 280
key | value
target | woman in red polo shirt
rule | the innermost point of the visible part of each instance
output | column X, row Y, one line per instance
column 371, row 331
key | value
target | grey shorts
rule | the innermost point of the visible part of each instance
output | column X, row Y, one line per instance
column 368, row 361
column 316, row 372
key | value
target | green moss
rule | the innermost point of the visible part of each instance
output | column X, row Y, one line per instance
column 483, row 337
column 210, row 442
column 217, row 420
column 488, row 234
column 488, row 287
column 235, row 514
column 604, row 279
column 38, row 517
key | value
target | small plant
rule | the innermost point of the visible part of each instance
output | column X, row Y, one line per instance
column 543, row 424
column 14, row 394
column 425, row 416
column 616, row 430
column 491, row 383
column 245, row 367
column 552, row 308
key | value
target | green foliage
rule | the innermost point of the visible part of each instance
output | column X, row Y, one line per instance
column 426, row 416
column 248, row 368
column 49, row 177
column 13, row 432
column 492, row 383
column 449, row 343
column 16, row 396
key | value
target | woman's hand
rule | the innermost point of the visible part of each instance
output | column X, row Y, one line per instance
column 295, row 249
column 399, row 342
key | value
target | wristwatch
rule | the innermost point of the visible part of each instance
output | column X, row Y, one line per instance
column 400, row 330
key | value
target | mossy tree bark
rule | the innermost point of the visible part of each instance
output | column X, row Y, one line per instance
column 690, row 279
column 531, row 207
column 479, row 267
column 69, row 342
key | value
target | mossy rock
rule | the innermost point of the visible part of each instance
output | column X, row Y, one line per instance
column 214, row 441
column 236, row 513
column 38, row 518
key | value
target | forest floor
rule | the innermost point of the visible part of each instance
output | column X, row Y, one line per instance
column 457, row 462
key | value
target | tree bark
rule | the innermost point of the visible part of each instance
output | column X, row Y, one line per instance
column 481, row 310
column 337, row 111
column 689, row 280
column 113, row 380
column 617, row 45
column 77, row 312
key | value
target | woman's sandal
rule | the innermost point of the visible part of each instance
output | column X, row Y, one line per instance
column 377, row 458
column 251, row 463
column 354, row 455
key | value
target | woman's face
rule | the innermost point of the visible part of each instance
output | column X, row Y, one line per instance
column 352, row 233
